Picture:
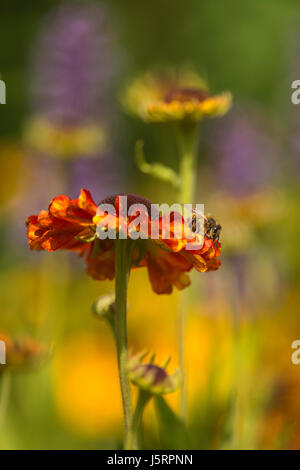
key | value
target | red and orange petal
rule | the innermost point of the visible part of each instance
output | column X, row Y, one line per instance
column 205, row 259
column 81, row 210
column 167, row 270
column 101, row 260
column 63, row 223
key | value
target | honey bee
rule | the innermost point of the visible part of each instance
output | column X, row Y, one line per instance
column 212, row 230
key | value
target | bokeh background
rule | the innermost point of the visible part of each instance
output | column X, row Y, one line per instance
column 70, row 61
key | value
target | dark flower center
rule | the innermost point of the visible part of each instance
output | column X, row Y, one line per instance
column 131, row 199
column 186, row 94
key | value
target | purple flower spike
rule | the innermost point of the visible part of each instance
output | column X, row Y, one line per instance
column 73, row 65
column 242, row 153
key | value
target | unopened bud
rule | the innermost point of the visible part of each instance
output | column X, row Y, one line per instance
column 104, row 307
column 152, row 378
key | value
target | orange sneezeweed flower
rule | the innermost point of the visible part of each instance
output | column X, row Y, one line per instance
column 71, row 225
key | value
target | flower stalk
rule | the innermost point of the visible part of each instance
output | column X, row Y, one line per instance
column 187, row 143
column 123, row 263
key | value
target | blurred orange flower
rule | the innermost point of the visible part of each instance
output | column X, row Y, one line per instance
column 71, row 225
column 21, row 353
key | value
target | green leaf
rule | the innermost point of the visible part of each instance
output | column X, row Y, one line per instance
column 173, row 433
column 157, row 170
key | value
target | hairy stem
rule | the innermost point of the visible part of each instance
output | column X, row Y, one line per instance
column 123, row 264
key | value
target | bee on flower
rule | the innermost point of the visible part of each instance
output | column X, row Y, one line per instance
column 71, row 225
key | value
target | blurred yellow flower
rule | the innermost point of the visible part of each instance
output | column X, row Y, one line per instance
column 64, row 142
column 279, row 376
column 205, row 335
column 86, row 385
column 173, row 97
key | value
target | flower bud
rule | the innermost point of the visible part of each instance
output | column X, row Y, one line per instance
column 152, row 378
column 104, row 307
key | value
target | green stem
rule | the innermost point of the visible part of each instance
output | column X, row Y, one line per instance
column 187, row 140
column 123, row 264
column 5, row 389
column 142, row 401
column 239, row 380
column 181, row 353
